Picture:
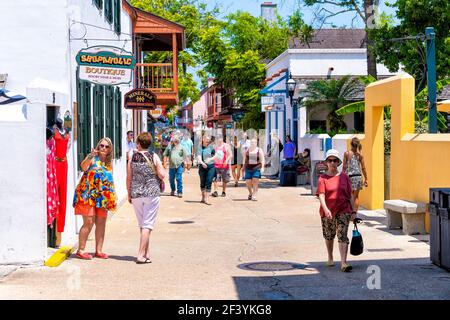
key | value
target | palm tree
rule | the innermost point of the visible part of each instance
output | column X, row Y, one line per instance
column 331, row 94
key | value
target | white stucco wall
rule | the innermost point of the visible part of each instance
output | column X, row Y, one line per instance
column 23, row 174
column 39, row 59
column 316, row 62
column 314, row 142
column 277, row 117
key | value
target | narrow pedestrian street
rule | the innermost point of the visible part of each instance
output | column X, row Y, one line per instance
column 238, row 249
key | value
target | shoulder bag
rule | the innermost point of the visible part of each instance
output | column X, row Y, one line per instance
column 162, row 185
column 357, row 244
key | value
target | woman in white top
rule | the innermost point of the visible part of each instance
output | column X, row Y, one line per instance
column 254, row 166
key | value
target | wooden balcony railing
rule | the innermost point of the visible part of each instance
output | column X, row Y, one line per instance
column 157, row 77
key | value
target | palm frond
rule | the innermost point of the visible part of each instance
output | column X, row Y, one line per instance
column 358, row 106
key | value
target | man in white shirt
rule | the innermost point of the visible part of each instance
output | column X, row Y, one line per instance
column 130, row 143
column 189, row 146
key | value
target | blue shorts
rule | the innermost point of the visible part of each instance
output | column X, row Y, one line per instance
column 252, row 174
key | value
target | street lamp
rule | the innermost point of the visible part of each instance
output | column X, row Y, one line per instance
column 290, row 86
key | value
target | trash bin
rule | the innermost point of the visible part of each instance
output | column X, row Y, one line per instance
column 445, row 237
column 440, row 227
column 435, row 234
column 444, row 196
column 320, row 167
column 288, row 173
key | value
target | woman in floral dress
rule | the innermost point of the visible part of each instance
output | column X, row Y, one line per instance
column 94, row 196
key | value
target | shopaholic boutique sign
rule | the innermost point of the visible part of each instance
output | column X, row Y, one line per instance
column 142, row 99
column 105, row 65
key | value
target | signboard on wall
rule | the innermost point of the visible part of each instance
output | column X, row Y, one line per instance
column 105, row 65
column 140, row 99
column 273, row 103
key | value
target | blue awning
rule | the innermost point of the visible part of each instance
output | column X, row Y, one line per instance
column 7, row 97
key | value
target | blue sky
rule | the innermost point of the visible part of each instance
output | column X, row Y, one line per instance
column 286, row 7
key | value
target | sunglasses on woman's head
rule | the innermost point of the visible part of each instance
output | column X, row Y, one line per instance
column 333, row 160
column 104, row 146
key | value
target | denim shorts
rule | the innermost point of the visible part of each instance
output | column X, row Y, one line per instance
column 252, row 173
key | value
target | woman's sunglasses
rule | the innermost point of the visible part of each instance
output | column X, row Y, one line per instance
column 333, row 160
column 104, row 146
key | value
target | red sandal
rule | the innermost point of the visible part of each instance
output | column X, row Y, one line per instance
column 84, row 256
column 101, row 255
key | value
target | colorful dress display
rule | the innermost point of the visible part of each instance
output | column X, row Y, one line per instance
column 62, row 141
column 96, row 187
column 52, row 185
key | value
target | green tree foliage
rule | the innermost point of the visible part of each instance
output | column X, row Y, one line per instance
column 195, row 17
column 299, row 29
column 234, row 53
column 414, row 17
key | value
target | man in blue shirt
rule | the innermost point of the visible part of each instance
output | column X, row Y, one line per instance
column 289, row 149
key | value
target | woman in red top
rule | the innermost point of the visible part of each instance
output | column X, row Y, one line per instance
column 336, row 208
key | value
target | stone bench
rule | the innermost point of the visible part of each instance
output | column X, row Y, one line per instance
column 410, row 216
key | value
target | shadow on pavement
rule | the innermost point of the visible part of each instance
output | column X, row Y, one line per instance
column 369, row 280
column 123, row 258
column 380, row 223
column 268, row 185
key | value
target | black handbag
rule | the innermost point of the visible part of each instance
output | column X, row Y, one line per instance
column 357, row 244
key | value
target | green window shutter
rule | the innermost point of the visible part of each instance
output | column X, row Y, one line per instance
column 83, row 120
column 88, row 118
column 80, row 121
column 99, row 4
column 109, row 113
column 118, row 123
column 109, row 10
column 99, row 114
column 117, row 6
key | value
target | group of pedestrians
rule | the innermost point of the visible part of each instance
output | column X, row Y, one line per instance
column 95, row 193
column 216, row 158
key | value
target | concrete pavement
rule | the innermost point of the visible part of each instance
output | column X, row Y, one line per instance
column 238, row 249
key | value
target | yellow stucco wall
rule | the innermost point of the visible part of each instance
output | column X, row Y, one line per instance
column 418, row 161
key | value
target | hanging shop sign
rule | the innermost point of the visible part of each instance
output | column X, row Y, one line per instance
column 142, row 99
column 157, row 112
column 105, row 65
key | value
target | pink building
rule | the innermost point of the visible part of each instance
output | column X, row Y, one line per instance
column 199, row 109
